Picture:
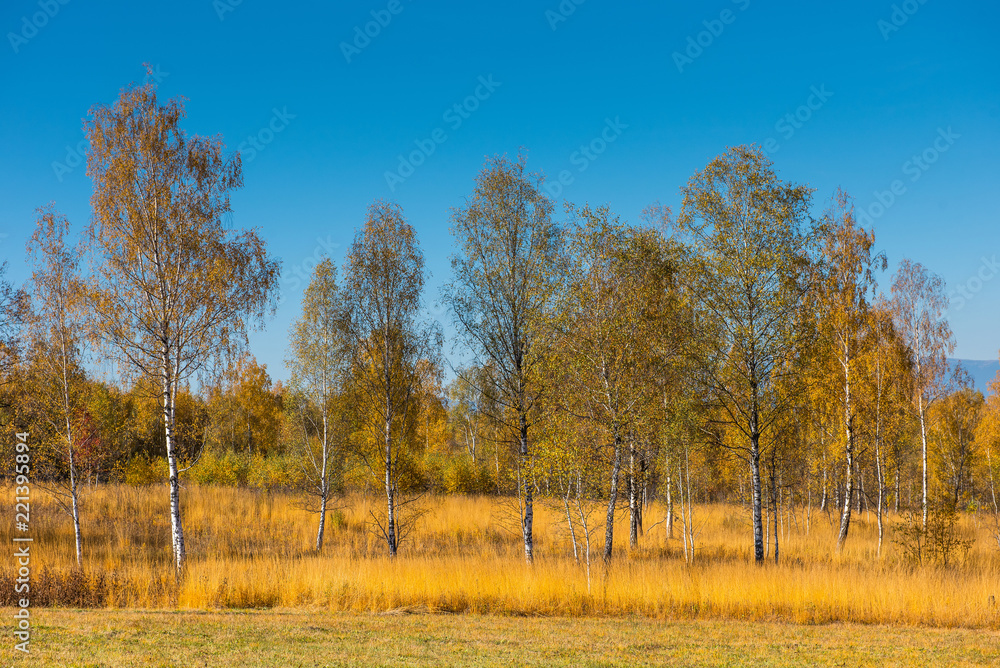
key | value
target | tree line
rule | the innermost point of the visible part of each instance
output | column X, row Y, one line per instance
column 740, row 350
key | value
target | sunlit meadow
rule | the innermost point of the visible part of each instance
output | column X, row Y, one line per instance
column 254, row 550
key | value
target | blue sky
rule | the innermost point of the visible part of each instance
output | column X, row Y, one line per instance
column 898, row 103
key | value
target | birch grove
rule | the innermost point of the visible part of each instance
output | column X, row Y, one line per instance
column 740, row 353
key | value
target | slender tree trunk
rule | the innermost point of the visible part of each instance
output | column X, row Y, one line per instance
column 881, row 494
column 879, row 471
column 176, row 527
column 529, row 513
column 609, row 526
column 809, row 506
column 324, row 488
column 845, row 515
column 684, row 530
column 496, row 457
column 989, row 465
column 633, row 501
column 73, row 490
column 767, row 524
column 824, row 497
column 923, row 453
column 569, row 522
column 687, row 510
column 758, row 528
column 70, row 447
column 322, row 518
column 586, row 527
column 644, row 499
column 670, row 500
column 640, row 508
column 777, row 509
column 74, row 496
column 785, row 515
column 774, row 510
column 390, row 491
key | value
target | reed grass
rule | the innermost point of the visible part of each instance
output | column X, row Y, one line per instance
column 249, row 549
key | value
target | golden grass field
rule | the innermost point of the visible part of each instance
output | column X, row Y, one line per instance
column 249, row 549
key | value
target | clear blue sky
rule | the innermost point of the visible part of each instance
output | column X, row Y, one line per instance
column 882, row 93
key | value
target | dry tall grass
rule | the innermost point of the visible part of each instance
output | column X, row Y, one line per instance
column 253, row 549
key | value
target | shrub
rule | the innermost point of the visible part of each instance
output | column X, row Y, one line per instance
column 214, row 468
column 938, row 543
column 142, row 470
column 275, row 472
column 456, row 474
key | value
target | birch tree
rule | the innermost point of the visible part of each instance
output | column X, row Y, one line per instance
column 466, row 409
column 318, row 361
column 680, row 425
column 918, row 305
column 610, row 327
column 887, row 368
column 172, row 286
column 58, row 335
column 956, row 423
column 503, row 288
column 988, row 435
column 844, row 323
column 382, row 290
column 748, row 275
column 566, row 445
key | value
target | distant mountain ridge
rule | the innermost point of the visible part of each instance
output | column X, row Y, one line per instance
column 983, row 372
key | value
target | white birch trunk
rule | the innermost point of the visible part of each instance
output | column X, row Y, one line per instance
column 390, row 491
column 529, row 510
column 921, row 411
column 609, row 526
column 176, row 527
column 324, row 487
column 758, row 528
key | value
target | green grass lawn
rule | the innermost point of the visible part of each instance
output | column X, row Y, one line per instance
column 318, row 638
